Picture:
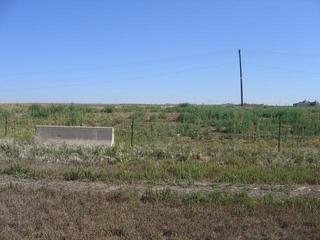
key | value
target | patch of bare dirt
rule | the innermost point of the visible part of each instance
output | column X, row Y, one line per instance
column 254, row 190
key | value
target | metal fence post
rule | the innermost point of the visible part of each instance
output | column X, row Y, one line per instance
column 6, row 126
column 279, row 135
column 132, row 126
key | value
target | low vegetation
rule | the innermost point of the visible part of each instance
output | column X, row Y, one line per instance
column 49, row 214
column 172, row 144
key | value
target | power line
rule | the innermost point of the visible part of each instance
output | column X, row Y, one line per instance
column 88, row 69
column 124, row 79
column 284, row 69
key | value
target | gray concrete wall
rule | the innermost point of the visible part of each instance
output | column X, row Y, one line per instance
column 75, row 135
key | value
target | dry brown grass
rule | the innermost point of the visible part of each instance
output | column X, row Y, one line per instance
column 168, row 149
column 44, row 214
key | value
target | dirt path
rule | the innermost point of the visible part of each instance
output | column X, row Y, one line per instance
column 254, row 190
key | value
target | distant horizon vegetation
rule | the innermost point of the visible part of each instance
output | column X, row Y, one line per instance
column 147, row 103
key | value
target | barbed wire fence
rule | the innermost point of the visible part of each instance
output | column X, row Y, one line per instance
column 138, row 131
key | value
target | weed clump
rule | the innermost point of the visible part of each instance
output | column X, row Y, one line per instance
column 38, row 111
column 20, row 171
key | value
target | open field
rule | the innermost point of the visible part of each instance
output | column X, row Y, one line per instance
column 46, row 214
column 192, row 172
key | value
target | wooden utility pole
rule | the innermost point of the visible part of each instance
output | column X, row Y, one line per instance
column 241, row 87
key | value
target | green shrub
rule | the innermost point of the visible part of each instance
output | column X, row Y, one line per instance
column 20, row 171
column 184, row 105
column 72, row 175
column 108, row 109
column 75, row 119
column 37, row 111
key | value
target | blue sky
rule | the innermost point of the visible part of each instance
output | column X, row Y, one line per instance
column 143, row 51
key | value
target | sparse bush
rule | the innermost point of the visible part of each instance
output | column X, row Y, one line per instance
column 38, row 111
column 75, row 119
column 57, row 108
column 72, row 175
column 184, row 105
column 108, row 109
column 161, row 195
column 19, row 171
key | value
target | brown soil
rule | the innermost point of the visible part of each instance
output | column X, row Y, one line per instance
column 254, row 190
column 31, row 214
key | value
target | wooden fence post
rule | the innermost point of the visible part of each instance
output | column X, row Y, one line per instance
column 279, row 135
column 132, row 126
column 6, row 126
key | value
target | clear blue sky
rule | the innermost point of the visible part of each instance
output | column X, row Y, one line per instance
column 143, row 51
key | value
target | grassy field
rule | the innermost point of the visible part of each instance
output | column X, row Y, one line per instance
column 45, row 214
column 172, row 145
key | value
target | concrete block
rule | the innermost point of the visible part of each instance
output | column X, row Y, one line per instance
column 74, row 135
